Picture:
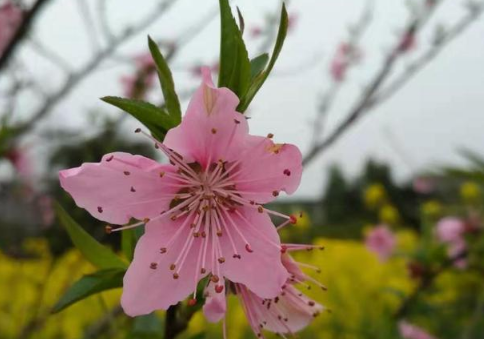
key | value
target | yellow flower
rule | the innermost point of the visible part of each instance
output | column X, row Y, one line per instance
column 431, row 209
column 388, row 214
column 470, row 192
column 374, row 196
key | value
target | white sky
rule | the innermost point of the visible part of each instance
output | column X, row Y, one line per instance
column 439, row 111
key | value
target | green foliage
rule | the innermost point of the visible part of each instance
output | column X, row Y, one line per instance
column 259, row 80
column 157, row 120
column 167, row 84
column 147, row 327
column 234, row 60
column 92, row 250
column 89, row 285
column 258, row 64
column 129, row 238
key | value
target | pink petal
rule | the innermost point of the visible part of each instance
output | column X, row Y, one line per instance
column 252, row 269
column 122, row 186
column 215, row 304
column 211, row 129
column 148, row 287
column 288, row 313
column 267, row 168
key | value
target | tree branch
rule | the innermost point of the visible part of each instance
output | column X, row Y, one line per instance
column 21, row 32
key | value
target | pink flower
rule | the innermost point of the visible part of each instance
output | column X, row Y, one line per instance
column 450, row 230
column 289, row 312
column 136, row 85
column 21, row 162
column 345, row 55
column 10, row 20
column 423, row 185
column 409, row 331
column 255, row 32
column 381, row 241
column 407, row 43
column 292, row 21
column 203, row 212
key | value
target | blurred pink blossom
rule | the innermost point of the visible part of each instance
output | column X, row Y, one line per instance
column 255, row 32
column 407, row 43
column 292, row 21
column 423, row 185
column 410, row 331
column 450, row 230
column 136, row 85
column 344, row 56
column 10, row 20
column 381, row 241
column 20, row 161
column 46, row 206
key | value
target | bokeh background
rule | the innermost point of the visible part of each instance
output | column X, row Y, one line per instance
column 378, row 198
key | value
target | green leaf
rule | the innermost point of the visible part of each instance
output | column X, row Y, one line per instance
column 148, row 324
column 234, row 60
column 129, row 238
column 157, row 120
column 259, row 80
column 97, row 254
column 258, row 64
column 241, row 21
column 88, row 285
column 166, row 80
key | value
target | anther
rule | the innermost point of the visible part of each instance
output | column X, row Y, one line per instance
column 219, row 288
column 275, row 193
column 156, row 146
column 260, row 209
column 100, row 209
column 108, row 159
column 204, row 235
column 137, row 130
column 108, row 229
column 162, row 174
column 153, row 265
column 203, row 271
column 133, row 189
column 214, row 130
column 196, row 234
column 173, row 217
column 270, row 135
column 311, row 303
column 252, row 202
column 287, row 172
column 221, row 260
column 293, row 219
column 236, row 256
column 172, row 267
column 175, row 276
column 219, row 233
column 236, row 121
column 283, row 249
column 248, row 249
column 192, row 302
column 163, row 250
column 146, row 220
column 215, row 278
column 126, row 173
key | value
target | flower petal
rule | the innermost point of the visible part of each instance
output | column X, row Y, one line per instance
column 149, row 283
column 261, row 269
column 267, row 168
column 288, row 313
column 215, row 304
column 211, row 128
column 122, row 186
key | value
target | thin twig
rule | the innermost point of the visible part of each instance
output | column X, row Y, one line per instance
column 88, row 23
column 365, row 103
column 21, row 32
column 76, row 77
column 356, row 33
column 429, row 56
